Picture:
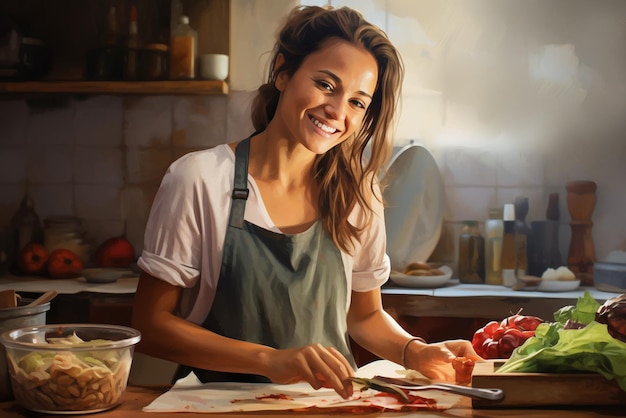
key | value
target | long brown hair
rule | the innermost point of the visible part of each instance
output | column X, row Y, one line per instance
column 344, row 175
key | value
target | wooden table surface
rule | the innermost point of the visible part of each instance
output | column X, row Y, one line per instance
column 136, row 398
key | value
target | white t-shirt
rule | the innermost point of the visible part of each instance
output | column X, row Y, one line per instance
column 184, row 237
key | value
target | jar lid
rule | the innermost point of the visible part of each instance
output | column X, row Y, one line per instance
column 157, row 47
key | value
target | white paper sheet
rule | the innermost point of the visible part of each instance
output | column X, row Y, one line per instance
column 189, row 395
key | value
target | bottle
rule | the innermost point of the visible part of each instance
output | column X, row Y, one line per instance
column 471, row 261
column 552, row 231
column 494, row 230
column 25, row 227
column 509, row 249
column 183, row 51
column 133, row 45
column 522, row 230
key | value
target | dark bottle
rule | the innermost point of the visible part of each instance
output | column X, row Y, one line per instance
column 522, row 231
column 509, row 249
column 132, row 50
column 471, row 261
column 25, row 227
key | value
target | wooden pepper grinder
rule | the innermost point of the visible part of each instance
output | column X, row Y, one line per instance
column 581, row 201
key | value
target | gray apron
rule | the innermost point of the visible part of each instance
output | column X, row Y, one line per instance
column 282, row 291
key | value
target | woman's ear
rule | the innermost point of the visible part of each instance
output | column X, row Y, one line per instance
column 281, row 78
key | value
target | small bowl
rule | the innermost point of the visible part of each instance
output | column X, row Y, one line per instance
column 69, row 368
column 558, row 285
column 104, row 274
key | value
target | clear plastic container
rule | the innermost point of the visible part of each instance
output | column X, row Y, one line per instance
column 183, row 51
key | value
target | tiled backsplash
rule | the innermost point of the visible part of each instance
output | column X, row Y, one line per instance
column 102, row 158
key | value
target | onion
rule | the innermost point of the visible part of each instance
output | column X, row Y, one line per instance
column 613, row 314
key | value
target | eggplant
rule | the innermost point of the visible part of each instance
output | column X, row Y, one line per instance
column 613, row 314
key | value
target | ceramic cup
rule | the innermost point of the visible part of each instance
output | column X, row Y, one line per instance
column 214, row 66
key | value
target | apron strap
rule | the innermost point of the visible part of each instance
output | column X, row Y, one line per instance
column 240, row 190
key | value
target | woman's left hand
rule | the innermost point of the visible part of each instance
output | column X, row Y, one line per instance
column 435, row 360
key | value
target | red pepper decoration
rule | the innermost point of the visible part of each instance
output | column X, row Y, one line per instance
column 497, row 340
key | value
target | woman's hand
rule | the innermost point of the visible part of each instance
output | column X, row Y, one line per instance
column 435, row 360
column 318, row 365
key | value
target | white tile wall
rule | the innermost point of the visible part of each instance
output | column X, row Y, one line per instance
column 510, row 102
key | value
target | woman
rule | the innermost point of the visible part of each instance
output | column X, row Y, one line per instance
column 261, row 258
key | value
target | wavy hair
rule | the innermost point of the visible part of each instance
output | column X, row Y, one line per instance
column 345, row 176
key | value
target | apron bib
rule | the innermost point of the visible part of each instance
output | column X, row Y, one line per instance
column 283, row 291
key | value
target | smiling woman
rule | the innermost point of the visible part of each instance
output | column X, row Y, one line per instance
column 262, row 258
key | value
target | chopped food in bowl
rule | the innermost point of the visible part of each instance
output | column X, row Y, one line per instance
column 69, row 368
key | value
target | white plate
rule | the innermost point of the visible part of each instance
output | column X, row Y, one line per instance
column 429, row 282
column 414, row 198
column 558, row 285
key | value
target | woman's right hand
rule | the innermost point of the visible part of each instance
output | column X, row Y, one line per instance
column 318, row 365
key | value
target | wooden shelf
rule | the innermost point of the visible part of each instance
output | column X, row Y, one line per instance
column 200, row 87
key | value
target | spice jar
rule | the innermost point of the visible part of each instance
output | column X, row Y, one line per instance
column 471, row 254
column 153, row 62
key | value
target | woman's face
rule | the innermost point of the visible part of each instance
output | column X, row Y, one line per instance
column 325, row 100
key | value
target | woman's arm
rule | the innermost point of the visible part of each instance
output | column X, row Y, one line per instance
column 375, row 330
column 167, row 336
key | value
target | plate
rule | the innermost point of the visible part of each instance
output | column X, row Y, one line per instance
column 414, row 199
column 105, row 274
column 429, row 282
column 558, row 285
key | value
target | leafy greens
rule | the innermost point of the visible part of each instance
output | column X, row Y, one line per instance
column 555, row 349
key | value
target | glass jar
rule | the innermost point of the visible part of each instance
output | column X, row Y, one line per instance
column 471, row 261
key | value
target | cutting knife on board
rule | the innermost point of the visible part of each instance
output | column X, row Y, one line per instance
column 400, row 387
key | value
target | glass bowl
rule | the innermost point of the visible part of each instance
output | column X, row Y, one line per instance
column 69, row 368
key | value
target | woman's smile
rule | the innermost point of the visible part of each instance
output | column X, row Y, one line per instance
column 325, row 129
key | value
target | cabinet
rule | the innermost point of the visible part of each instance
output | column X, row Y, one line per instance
column 70, row 28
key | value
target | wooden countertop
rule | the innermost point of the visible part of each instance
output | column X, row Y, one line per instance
column 136, row 398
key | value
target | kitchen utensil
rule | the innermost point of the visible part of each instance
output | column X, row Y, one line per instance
column 400, row 386
column 44, row 298
column 415, row 204
column 541, row 390
column 581, row 201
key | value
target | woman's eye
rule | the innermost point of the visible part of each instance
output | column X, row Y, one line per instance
column 359, row 104
column 325, row 85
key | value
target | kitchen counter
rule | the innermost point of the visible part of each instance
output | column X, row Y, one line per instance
column 455, row 300
column 136, row 397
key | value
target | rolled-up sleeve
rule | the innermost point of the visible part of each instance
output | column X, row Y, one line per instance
column 371, row 264
column 172, row 239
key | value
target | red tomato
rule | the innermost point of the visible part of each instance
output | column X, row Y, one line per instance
column 64, row 263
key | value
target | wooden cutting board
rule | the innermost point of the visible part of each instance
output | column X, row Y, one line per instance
column 527, row 390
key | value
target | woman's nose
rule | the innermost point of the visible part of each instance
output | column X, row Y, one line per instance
column 336, row 108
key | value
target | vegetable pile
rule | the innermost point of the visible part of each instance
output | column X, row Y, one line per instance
column 497, row 340
column 576, row 342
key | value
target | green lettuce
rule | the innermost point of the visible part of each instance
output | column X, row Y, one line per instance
column 555, row 349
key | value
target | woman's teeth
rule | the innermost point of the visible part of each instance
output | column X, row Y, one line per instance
column 323, row 127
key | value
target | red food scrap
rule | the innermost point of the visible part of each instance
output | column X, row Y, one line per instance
column 413, row 400
column 281, row 396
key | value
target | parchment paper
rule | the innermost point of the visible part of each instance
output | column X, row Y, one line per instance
column 189, row 395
